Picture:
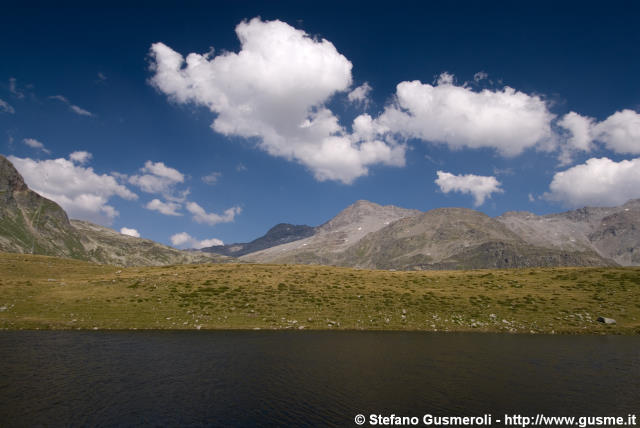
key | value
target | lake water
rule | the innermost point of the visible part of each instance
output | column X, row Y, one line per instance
column 306, row 378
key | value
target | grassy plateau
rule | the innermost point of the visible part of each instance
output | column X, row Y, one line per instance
column 39, row 292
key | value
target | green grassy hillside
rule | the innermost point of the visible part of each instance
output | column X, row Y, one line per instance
column 51, row 293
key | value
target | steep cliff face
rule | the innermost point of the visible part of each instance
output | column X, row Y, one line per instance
column 30, row 223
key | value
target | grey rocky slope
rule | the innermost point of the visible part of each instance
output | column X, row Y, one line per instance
column 334, row 236
column 279, row 234
column 612, row 232
column 371, row 236
column 32, row 224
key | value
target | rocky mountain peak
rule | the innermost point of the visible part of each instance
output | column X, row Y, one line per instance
column 10, row 178
column 364, row 213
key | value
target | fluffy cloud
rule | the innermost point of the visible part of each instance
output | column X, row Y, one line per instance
column 6, row 107
column 157, row 178
column 35, row 144
column 79, row 190
column 506, row 120
column 201, row 216
column 360, row 95
column 481, row 187
column 274, row 90
column 166, row 208
column 130, row 232
column 184, row 240
column 74, row 108
column 80, row 157
column 599, row 181
column 620, row 132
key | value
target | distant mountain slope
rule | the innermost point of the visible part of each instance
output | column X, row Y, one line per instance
column 613, row 232
column 30, row 223
column 334, row 236
column 104, row 245
column 279, row 234
column 455, row 238
column 368, row 235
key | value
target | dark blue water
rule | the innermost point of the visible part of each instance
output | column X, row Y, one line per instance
column 306, row 378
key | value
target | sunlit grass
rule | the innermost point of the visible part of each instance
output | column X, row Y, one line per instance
column 51, row 293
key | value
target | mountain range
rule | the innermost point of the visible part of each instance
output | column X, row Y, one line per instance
column 363, row 235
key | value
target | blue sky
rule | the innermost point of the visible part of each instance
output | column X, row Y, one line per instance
column 302, row 108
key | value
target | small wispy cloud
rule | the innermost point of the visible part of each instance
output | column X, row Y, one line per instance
column 5, row 107
column 13, row 88
column 212, row 178
column 35, row 144
column 74, row 108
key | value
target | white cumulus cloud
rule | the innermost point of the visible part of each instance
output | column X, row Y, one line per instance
column 157, row 178
column 130, row 232
column 507, row 120
column 481, row 187
column 35, row 144
column 80, row 191
column 275, row 90
column 619, row 132
column 201, row 216
column 184, row 240
column 166, row 208
column 598, row 181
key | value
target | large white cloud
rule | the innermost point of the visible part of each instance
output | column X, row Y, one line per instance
column 201, row 216
column 275, row 90
column 481, row 187
column 599, row 182
column 507, row 120
column 80, row 191
column 184, row 240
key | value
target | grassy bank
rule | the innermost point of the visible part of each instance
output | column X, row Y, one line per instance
column 49, row 293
